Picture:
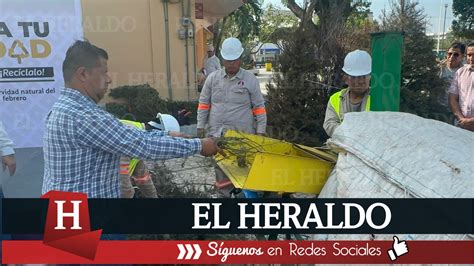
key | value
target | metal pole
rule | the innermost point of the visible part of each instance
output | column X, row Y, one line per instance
column 426, row 25
column 186, row 51
column 402, row 8
column 167, row 47
column 439, row 25
column 444, row 23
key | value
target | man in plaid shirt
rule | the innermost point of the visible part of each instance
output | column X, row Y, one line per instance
column 82, row 143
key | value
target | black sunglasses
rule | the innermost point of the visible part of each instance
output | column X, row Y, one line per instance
column 453, row 54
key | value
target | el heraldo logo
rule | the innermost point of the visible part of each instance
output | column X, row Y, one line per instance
column 68, row 224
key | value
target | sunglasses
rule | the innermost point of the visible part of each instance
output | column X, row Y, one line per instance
column 453, row 54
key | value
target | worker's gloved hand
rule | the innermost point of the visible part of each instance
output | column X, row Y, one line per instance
column 176, row 134
column 201, row 132
column 209, row 147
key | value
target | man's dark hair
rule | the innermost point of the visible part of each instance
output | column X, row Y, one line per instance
column 471, row 44
column 82, row 54
column 460, row 46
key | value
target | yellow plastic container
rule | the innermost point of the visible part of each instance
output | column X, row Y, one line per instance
column 268, row 66
column 260, row 163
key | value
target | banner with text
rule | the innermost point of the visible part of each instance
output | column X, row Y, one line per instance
column 248, row 252
column 75, row 229
column 34, row 38
column 256, row 216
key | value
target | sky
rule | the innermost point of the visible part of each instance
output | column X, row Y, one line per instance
column 432, row 10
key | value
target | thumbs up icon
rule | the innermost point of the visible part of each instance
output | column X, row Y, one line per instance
column 399, row 248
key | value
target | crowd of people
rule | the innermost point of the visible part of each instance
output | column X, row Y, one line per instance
column 461, row 89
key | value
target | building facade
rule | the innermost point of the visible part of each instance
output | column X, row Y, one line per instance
column 159, row 42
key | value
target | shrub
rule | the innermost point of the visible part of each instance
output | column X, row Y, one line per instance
column 143, row 101
column 175, row 107
column 117, row 109
column 296, row 105
column 421, row 87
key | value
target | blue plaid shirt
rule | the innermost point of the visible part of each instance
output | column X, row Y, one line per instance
column 82, row 146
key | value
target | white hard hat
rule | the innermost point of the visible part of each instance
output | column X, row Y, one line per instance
column 357, row 63
column 165, row 122
column 231, row 49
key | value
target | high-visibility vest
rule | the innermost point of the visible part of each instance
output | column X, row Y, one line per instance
column 133, row 124
column 335, row 102
column 126, row 167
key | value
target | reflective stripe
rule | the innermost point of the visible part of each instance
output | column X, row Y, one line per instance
column 142, row 180
column 133, row 164
column 133, row 124
column 123, row 168
column 259, row 111
column 203, row 106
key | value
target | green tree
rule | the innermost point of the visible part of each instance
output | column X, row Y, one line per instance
column 327, row 21
column 296, row 102
column 421, row 88
column 319, row 15
column 276, row 25
column 463, row 24
column 243, row 24
column 358, row 28
column 309, row 68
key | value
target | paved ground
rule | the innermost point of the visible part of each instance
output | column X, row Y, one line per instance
column 185, row 177
column 27, row 181
column 263, row 78
column 192, row 175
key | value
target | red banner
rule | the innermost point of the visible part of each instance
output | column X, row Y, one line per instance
column 228, row 252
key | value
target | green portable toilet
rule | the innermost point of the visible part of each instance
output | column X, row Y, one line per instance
column 387, row 51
